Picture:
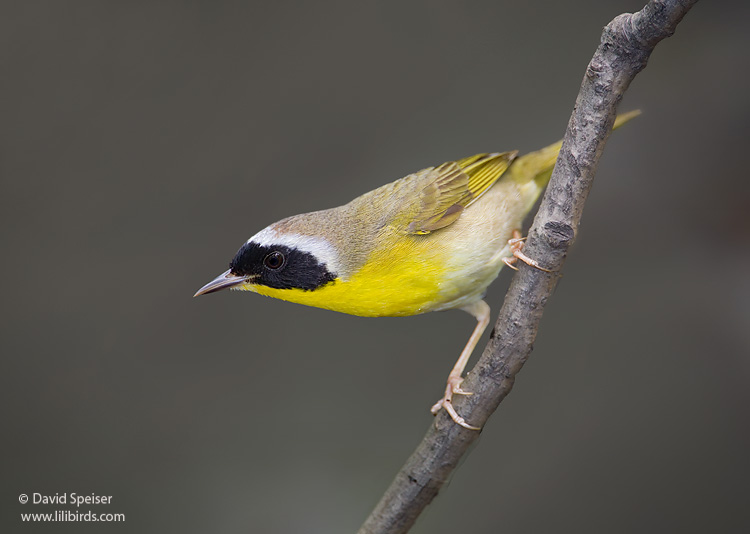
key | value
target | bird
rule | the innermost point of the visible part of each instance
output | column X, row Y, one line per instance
column 433, row 240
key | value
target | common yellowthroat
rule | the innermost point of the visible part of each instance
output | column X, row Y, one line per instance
column 431, row 241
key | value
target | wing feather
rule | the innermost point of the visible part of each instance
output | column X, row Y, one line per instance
column 435, row 197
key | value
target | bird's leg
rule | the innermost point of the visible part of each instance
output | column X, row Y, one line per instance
column 516, row 246
column 481, row 311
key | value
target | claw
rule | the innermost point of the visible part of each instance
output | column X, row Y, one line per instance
column 453, row 388
column 510, row 262
column 516, row 246
column 457, row 418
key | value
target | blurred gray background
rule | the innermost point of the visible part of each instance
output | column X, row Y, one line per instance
column 143, row 142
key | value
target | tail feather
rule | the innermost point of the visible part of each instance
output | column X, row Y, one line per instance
column 533, row 170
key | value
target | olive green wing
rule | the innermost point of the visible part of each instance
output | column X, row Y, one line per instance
column 434, row 197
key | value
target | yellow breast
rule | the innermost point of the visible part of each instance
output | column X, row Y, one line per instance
column 406, row 279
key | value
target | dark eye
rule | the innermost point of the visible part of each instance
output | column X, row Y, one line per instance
column 274, row 260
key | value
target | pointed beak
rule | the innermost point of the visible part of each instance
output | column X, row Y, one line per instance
column 223, row 281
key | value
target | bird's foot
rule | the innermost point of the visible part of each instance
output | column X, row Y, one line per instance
column 453, row 388
column 516, row 247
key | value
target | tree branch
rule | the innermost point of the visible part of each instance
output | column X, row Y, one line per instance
column 626, row 44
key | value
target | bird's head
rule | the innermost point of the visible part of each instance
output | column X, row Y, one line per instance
column 279, row 257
